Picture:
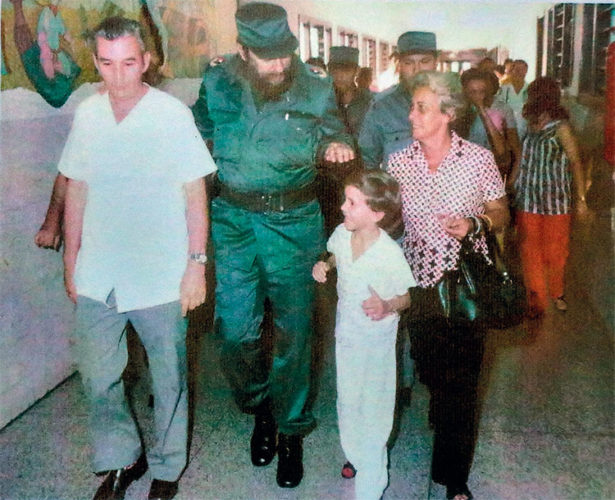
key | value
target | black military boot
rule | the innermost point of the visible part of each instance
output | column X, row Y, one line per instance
column 290, row 460
column 264, row 435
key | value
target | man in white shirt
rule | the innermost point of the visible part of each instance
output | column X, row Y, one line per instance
column 514, row 93
column 135, row 223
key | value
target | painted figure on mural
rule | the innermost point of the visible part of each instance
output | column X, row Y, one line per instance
column 153, row 8
column 46, row 59
column 52, row 37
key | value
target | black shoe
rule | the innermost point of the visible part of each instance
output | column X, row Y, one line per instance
column 162, row 490
column 290, row 460
column 116, row 481
column 453, row 491
column 263, row 441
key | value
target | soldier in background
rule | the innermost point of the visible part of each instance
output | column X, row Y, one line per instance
column 386, row 127
column 352, row 102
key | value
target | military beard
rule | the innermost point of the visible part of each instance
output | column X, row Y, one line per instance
column 267, row 90
column 406, row 83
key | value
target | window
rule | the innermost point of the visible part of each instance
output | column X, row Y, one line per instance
column 560, row 41
column 385, row 56
column 348, row 38
column 314, row 38
column 598, row 33
column 369, row 53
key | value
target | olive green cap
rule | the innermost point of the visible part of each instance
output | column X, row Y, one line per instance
column 416, row 41
column 263, row 28
column 344, row 55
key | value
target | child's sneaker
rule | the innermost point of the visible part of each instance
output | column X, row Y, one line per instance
column 348, row 471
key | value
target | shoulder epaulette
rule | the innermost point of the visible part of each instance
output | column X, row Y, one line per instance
column 216, row 61
column 315, row 70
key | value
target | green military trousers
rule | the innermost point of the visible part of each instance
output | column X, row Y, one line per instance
column 261, row 255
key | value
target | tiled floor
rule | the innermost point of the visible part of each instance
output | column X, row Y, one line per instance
column 547, row 422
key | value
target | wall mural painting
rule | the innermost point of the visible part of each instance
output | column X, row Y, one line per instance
column 44, row 42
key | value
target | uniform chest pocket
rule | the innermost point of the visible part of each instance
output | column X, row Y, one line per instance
column 396, row 136
column 292, row 135
column 298, row 123
column 394, row 141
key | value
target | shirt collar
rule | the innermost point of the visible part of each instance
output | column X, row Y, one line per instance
column 456, row 145
column 455, row 152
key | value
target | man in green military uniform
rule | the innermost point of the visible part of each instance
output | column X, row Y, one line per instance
column 353, row 102
column 270, row 118
column 386, row 127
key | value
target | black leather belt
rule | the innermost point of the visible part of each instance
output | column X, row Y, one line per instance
column 268, row 202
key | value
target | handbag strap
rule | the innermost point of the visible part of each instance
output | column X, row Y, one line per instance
column 494, row 249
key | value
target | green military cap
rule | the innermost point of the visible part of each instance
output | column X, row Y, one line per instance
column 416, row 41
column 263, row 28
column 344, row 55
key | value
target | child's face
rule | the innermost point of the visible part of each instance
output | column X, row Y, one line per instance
column 357, row 213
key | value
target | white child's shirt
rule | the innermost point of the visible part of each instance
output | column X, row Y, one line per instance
column 383, row 267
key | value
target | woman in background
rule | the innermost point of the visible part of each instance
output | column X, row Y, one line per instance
column 549, row 185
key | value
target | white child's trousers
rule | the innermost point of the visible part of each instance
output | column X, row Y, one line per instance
column 366, row 371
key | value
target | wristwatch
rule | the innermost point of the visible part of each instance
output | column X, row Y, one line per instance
column 200, row 258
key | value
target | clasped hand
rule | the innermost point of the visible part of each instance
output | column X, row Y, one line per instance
column 375, row 307
column 457, row 227
column 338, row 152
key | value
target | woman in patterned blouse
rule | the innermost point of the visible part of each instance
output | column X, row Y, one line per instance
column 450, row 187
column 543, row 183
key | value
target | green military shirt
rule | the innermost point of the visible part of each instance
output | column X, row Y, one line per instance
column 272, row 146
column 355, row 111
column 386, row 127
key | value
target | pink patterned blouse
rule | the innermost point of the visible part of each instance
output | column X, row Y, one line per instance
column 466, row 179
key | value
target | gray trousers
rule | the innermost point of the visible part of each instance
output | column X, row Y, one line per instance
column 101, row 354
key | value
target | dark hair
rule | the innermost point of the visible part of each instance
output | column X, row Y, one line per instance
column 382, row 193
column 544, row 96
column 365, row 77
column 115, row 27
column 317, row 61
column 544, row 85
column 486, row 60
column 476, row 74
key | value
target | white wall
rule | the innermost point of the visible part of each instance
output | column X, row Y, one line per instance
column 36, row 318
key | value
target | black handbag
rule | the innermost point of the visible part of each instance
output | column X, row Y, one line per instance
column 480, row 290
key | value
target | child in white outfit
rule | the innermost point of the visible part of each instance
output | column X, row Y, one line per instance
column 372, row 287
